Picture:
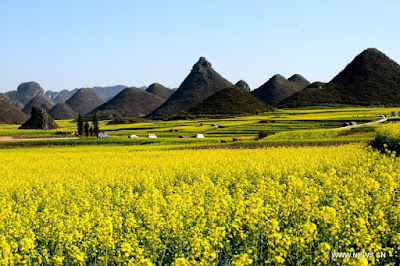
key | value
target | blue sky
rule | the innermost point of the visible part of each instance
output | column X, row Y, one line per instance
column 72, row 44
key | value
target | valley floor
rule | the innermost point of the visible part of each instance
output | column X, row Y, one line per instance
column 284, row 127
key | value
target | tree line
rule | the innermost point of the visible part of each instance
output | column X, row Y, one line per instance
column 84, row 127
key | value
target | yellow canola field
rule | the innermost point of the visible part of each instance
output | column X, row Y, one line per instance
column 118, row 205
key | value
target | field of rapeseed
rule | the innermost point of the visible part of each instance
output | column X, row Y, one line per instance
column 388, row 138
column 297, row 127
column 116, row 205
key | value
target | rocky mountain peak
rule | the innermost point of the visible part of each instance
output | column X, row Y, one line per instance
column 202, row 65
column 243, row 85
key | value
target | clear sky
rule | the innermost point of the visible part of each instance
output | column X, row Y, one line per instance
column 73, row 44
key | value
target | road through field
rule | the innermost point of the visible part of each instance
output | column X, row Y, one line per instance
column 384, row 119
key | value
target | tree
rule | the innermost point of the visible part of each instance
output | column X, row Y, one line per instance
column 96, row 129
column 80, row 125
column 261, row 134
column 86, row 128
column 91, row 131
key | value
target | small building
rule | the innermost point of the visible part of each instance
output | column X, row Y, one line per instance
column 151, row 136
column 133, row 136
column 214, row 125
column 198, row 136
column 393, row 113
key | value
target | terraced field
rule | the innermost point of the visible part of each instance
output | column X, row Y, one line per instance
column 309, row 126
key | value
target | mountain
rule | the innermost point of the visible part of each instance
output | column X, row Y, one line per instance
column 317, row 85
column 51, row 94
column 13, row 98
column 10, row 114
column 229, row 101
column 107, row 93
column 131, row 102
column 39, row 100
column 277, row 88
column 64, row 95
column 62, row 111
column 371, row 78
column 243, row 85
column 202, row 82
column 39, row 119
column 24, row 93
column 84, row 101
column 299, row 79
column 160, row 91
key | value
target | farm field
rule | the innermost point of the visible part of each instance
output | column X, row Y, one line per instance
column 284, row 127
column 295, row 196
column 119, row 204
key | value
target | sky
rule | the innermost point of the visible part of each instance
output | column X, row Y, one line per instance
column 74, row 44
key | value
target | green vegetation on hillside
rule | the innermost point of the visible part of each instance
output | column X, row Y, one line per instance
column 229, row 101
column 371, row 78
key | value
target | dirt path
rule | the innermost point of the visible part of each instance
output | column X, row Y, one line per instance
column 32, row 139
column 384, row 119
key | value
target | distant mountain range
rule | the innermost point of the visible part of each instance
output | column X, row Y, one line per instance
column 68, row 104
column 24, row 93
column 107, row 93
column 277, row 88
column 131, row 102
column 39, row 100
column 371, row 78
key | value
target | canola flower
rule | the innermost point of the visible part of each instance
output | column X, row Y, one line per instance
column 388, row 138
column 128, row 205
